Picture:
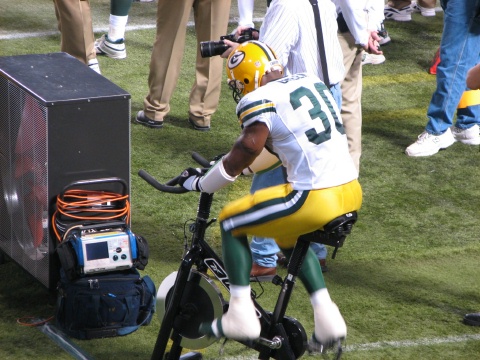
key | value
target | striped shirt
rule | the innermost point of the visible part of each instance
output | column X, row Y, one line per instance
column 289, row 29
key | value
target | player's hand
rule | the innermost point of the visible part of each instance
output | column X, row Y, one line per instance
column 189, row 179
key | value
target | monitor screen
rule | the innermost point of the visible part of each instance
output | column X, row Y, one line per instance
column 96, row 251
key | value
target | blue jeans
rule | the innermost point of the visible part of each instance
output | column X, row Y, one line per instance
column 459, row 51
column 264, row 250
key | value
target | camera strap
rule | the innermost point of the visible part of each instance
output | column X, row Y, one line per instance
column 321, row 47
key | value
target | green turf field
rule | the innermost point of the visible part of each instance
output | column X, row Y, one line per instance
column 406, row 275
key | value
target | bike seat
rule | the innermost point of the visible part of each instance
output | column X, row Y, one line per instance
column 334, row 232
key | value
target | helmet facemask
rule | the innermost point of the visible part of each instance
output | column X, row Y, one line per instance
column 237, row 90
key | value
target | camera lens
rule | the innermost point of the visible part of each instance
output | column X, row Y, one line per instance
column 212, row 48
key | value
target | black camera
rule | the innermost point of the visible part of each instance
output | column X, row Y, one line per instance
column 214, row 48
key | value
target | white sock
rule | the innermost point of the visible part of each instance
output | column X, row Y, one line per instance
column 240, row 291
column 116, row 29
column 320, row 297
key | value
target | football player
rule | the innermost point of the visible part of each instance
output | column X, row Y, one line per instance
column 296, row 119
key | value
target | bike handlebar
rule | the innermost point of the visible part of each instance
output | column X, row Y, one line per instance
column 201, row 160
column 171, row 185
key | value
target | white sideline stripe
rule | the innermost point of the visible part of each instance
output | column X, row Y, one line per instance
column 105, row 29
column 411, row 343
column 23, row 35
column 391, row 344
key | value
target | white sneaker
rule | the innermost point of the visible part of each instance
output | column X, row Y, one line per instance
column 93, row 64
column 424, row 11
column 329, row 324
column 113, row 49
column 403, row 14
column 469, row 136
column 240, row 322
column 373, row 59
column 428, row 144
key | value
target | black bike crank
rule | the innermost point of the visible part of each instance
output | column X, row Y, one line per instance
column 297, row 339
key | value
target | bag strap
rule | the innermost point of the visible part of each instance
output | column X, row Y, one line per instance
column 321, row 47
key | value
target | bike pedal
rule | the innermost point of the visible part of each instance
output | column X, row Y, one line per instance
column 334, row 349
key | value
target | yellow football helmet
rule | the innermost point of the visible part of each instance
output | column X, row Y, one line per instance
column 246, row 66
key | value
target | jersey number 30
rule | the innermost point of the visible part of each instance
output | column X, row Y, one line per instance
column 316, row 112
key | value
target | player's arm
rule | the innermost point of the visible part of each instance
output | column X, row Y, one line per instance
column 247, row 147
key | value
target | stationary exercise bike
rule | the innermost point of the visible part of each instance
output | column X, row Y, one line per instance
column 188, row 297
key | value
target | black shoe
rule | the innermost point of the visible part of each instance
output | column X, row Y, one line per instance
column 198, row 127
column 472, row 319
column 146, row 121
column 282, row 260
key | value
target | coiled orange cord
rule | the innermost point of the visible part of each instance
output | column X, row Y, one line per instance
column 90, row 205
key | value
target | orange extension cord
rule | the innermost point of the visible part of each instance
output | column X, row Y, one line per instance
column 90, row 205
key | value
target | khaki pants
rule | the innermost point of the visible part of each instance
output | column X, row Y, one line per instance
column 351, row 110
column 211, row 20
column 75, row 25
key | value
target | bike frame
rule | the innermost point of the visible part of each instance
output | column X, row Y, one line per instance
column 201, row 254
column 278, row 332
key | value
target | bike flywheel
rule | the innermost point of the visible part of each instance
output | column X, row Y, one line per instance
column 202, row 301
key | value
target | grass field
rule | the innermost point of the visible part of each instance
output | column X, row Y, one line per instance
column 406, row 275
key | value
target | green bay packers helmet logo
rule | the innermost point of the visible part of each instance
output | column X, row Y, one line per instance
column 236, row 59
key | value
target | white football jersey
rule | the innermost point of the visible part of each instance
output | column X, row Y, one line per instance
column 306, row 130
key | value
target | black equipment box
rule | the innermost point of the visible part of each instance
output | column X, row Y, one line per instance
column 60, row 122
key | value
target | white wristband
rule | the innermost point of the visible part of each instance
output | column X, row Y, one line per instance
column 215, row 179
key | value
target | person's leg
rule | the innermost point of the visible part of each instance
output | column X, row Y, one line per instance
column 399, row 10
column 398, row 4
column 336, row 90
column 425, row 7
column 112, row 44
column 320, row 251
column 351, row 110
column 428, row 4
column 167, row 53
column 211, row 21
column 458, row 53
column 284, row 226
column 119, row 10
column 329, row 323
column 75, row 25
column 240, row 321
column 310, row 274
column 263, row 249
